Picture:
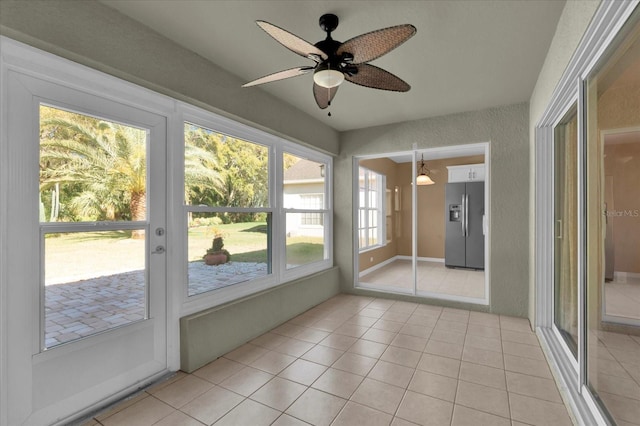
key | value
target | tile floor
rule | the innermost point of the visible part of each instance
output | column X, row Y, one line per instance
column 361, row 361
column 622, row 296
column 433, row 277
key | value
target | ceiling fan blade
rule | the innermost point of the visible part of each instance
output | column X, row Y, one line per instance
column 280, row 75
column 293, row 42
column 377, row 78
column 369, row 46
column 323, row 95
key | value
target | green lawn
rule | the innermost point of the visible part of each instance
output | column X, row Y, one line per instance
column 115, row 251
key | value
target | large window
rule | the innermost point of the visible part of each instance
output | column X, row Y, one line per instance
column 371, row 205
column 244, row 225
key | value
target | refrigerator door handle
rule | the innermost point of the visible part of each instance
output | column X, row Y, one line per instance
column 463, row 218
column 466, row 215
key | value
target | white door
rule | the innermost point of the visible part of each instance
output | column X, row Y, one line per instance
column 85, row 273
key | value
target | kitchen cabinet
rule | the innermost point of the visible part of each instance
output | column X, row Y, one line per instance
column 466, row 173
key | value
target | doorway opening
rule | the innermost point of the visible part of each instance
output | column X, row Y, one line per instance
column 426, row 240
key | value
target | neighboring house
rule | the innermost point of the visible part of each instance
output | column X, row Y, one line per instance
column 303, row 188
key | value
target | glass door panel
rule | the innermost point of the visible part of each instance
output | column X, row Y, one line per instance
column 613, row 227
column 565, row 282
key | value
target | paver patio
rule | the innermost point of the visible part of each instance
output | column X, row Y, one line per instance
column 84, row 307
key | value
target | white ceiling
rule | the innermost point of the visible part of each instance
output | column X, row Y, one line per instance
column 466, row 55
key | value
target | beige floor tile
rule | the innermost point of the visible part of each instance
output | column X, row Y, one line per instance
column 273, row 362
column 218, row 370
column 246, row 381
column 449, row 350
column 289, row 330
column 409, row 342
column 456, row 327
column 439, row 365
column 535, row 387
column 166, row 381
column 145, row 412
column 326, row 325
column 520, row 349
column 425, row 410
column 246, row 353
column 416, row 330
column 483, row 398
column 486, row 319
column 395, row 316
column 373, row 313
column 351, row 330
column 323, row 355
column 537, row 412
column 462, row 317
column 422, row 320
column 619, row 386
column 294, row 347
column 486, row 343
column 316, row 407
column 401, row 356
column 483, row 357
column 212, row 405
column 397, row 421
column 269, row 340
column 378, row 395
column 463, row 416
column 278, row 393
column 90, row 422
column 482, row 331
column 368, row 348
column 393, row 374
column 183, row 391
column 361, row 321
column 338, row 383
column 434, row 385
column 622, row 409
column 354, row 363
column 338, row 341
column 303, row 372
column 379, row 336
column 178, row 418
column 121, row 405
column 448, row 337
column 354, row 414
column 251, row 413
column 518, row 337
column 387, row 325
column 483, row 375
column 312, row 336
column 521, row 325
column 430, row 310
column 532, row 367
column 287, row 420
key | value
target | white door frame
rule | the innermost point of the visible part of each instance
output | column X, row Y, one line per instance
column 27, row 76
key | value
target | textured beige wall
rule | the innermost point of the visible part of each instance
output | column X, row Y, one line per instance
column 506, row 128
column 572, row 24
column 95, row 35
column 622, row 162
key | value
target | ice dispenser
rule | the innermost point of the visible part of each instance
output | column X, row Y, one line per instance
column 455, row 213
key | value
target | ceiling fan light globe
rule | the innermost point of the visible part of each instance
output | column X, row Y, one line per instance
column 424, row 179
column 328, row 78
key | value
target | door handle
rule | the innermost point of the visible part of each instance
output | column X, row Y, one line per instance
column 158, row 250
column 464, row 216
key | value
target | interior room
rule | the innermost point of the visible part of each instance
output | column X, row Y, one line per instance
column 319, row 212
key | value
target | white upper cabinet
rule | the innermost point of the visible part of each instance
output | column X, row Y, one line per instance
column 466, row 173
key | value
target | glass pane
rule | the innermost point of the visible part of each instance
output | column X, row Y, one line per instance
column 613, row 228
column 224, row 171
column 226, row 249
column 305, row 244
column 94, row 281
column 566, row 236
column 303, row 186
column 90, row 169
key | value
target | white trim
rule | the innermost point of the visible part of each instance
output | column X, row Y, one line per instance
column 378, row 266
column 623, row 276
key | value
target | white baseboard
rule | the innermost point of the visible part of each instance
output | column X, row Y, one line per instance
column 623, row 276
column 422, row 259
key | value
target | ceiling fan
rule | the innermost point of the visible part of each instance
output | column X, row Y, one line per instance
column 336, row 61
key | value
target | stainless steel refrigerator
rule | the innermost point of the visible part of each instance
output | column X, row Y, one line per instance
column 464, row 211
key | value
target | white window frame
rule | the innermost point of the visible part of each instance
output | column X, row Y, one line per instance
column 279, row 273
column 380, row 190
column 308, row 196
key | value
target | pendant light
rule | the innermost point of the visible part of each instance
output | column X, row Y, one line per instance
column 423, row 174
